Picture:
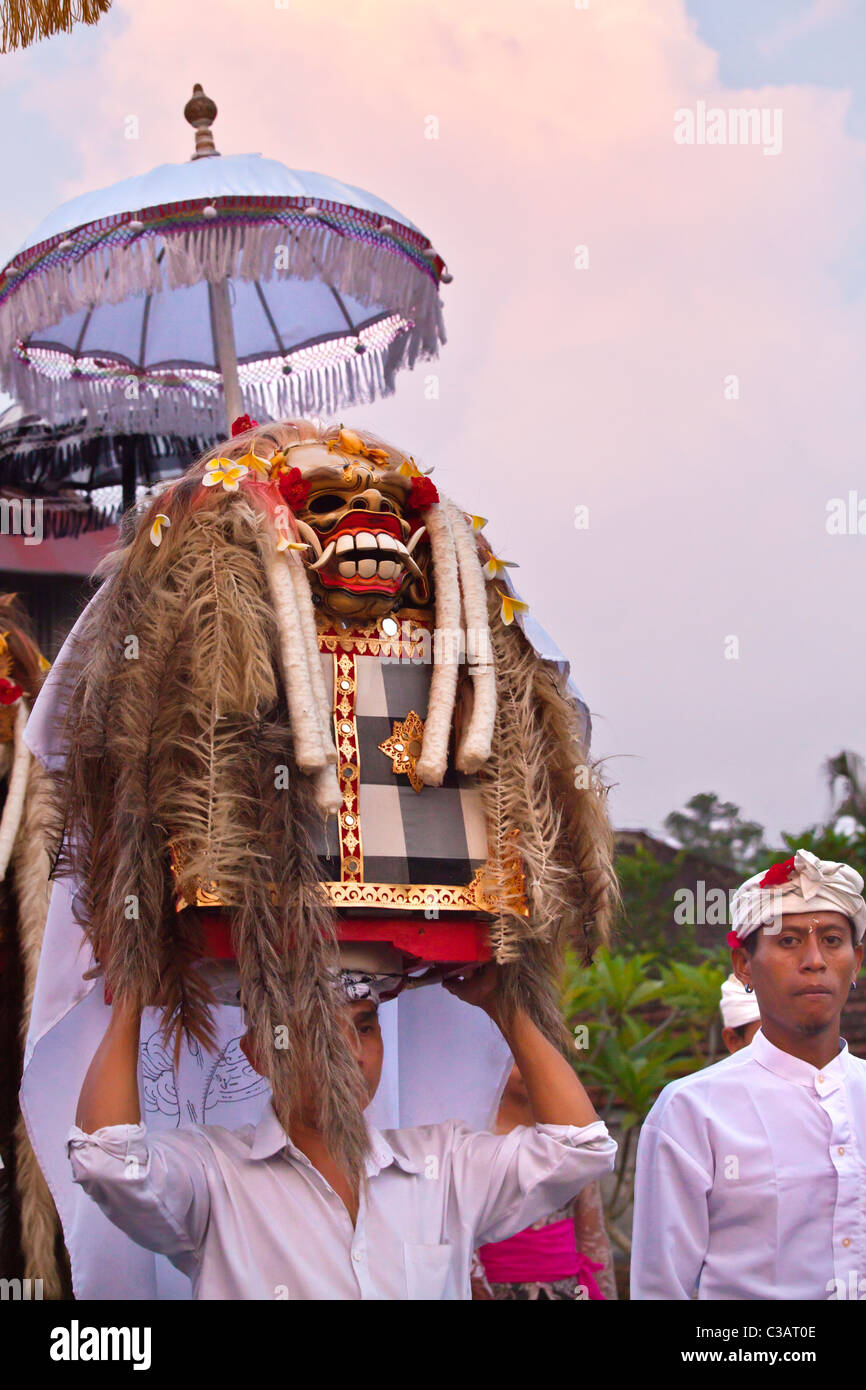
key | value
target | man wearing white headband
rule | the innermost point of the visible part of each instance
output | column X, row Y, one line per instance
column 741, row 1016
column 750, row 1174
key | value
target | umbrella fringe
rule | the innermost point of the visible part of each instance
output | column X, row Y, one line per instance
column 358, row 380
column 67, row 521
column 36, row 455
column 111, row 272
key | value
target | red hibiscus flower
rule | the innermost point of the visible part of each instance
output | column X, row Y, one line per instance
column 242, row 424
column 422, row 494
column 733, row 940
column 777, row 873
column 294, row 488
column 9, row 691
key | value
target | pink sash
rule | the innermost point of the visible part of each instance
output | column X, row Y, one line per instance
column 540, row 1257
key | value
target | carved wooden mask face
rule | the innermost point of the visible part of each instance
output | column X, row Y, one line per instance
column 355, row 519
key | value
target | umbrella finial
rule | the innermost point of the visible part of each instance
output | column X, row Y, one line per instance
column 201, row 112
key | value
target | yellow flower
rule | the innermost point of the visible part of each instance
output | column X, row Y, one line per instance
column 511, row 606
column 255, row 464
column 44, row 663
column 160, row 521
column 478, row 522
column 225, row 471
column 496, row 566
column 409, row 469
column 285, row 542
column 375, row 455
column 348, row 442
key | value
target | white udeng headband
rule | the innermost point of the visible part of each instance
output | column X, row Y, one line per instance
column 738, row 1007
column 804, row 883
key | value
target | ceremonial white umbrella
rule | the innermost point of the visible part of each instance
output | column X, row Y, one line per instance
column 181, row 298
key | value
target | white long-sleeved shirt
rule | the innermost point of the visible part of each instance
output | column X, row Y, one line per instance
column 751, row 1181
column 246, row 1215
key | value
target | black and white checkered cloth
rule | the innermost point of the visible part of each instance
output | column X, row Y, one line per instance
column 435, row 836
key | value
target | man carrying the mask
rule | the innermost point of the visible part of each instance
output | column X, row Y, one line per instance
column 256, row 1213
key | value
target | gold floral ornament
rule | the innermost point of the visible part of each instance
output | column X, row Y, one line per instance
column 226, row 472
column 478, row 522
column 404, row 747
column 495, row 566
column 159, row 521
column 510, row 607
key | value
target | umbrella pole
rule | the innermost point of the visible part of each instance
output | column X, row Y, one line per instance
column 128, row 473
column 224, row 339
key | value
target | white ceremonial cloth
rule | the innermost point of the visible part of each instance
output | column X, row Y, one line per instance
column 247, row 1216
column 751, row 1181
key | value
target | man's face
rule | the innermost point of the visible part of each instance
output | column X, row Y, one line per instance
column 802, row 973
column 365, row 1040
column 732, row 1039
column 361, row 1026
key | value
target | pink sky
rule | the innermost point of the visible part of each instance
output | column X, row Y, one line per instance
column 558, row 386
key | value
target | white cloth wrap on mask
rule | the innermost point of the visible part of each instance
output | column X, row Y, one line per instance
column 738, row 1007
column 815, row 885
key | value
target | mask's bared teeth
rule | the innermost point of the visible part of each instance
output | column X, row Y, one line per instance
column 367, row 567
column 345, row 543
column 348, row 569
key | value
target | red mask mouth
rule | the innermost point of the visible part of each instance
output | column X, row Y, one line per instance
column 366, row 554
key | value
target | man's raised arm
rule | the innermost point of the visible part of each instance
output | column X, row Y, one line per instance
column 555, row 1091
column 153, row 1187
column 109, row 1095
column 505, row 1182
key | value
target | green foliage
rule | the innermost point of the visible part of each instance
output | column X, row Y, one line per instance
column 645, row 1023
column 717, row 831
column 828, row 843
column 647, row 888
column 647, row 922
column 849, row 768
